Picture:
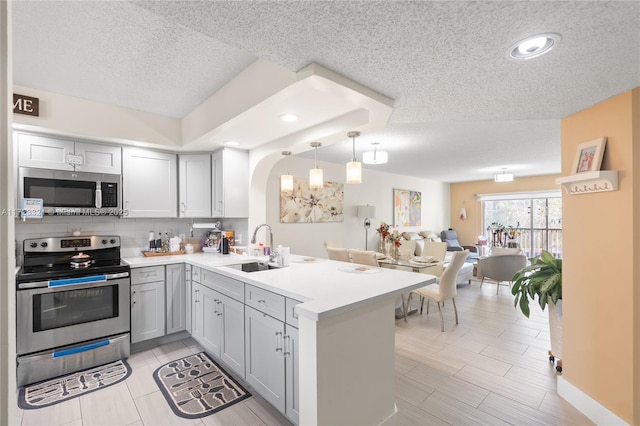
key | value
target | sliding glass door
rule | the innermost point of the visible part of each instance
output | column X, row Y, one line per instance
column 526, row 221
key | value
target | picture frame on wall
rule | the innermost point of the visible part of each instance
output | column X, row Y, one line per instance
column 589, row 155
column 407, row 208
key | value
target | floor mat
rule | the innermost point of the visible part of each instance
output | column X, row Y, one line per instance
column 195, row 386
column 59, row 389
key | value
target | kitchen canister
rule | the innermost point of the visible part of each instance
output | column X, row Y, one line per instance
column 188, row 248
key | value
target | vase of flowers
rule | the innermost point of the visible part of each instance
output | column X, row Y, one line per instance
column 394, row 241
column 383, row 231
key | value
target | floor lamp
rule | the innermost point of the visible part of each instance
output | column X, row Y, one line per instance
column 366, row 213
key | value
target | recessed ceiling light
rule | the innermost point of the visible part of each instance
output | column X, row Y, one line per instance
column 534, row 46
column 289, row 118
column 230, row 143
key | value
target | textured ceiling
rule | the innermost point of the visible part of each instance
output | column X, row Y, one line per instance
column 462, row 110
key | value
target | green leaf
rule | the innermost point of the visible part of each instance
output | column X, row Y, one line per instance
column 524, row 306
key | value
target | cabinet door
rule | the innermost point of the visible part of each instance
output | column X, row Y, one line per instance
column 265, row 363
column 176, row 298
column 197, row 313
column 147, row 311
column 194, row 185
column 99, row 158
column 217, row 192
column 188, row 290
column 232, row 336
column 44, row 152
column 230, row 183
column 149, row 181
column 211, row 321
column 292, row 410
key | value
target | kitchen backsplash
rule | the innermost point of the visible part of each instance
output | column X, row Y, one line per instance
column 134, row 233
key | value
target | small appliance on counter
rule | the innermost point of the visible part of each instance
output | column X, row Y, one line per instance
column 212, row 239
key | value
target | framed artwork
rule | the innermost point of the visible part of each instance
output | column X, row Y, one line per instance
column 407, row 208
column 589, row 155
column 304, row 205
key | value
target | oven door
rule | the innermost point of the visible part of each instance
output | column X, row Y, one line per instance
column 56, row 313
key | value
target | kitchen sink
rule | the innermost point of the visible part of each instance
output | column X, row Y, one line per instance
column 253, row 266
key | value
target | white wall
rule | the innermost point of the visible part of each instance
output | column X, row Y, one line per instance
column 376, row 190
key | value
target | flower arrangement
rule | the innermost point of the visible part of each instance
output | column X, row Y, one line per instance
column 387, row 235
column 383, row 230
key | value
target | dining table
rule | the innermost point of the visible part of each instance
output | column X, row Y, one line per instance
column 415, row 265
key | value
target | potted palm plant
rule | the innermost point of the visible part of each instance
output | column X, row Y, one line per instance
column 542, row 280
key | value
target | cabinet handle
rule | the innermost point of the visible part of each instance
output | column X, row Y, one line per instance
column 278, row 341
column 262, row 301
column 184, row 207
column 133, row 302
column 287, row 351
column 219, row 312
column 126, row 206
column 197, row 291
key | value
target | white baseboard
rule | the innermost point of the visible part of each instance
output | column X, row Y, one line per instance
column 588, row 406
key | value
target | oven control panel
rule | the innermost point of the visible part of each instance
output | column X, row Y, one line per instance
column 70, row 244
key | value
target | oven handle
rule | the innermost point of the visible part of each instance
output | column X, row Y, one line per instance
column 73, row 281
column 78, row 349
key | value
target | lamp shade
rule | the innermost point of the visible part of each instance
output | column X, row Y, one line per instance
column 354, row 172
column 286, row 183
column 504, row 177
column 315, row 178
column 366, row 211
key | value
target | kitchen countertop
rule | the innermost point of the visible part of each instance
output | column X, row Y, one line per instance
column 326, row 287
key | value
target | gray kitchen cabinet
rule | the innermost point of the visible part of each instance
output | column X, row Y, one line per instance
column 46, row 152
column 147, row 303
column 292, row 400
column 218, row 325
column 194, row 182
column 149, row 183
column 188, row 293
column 265, row 364
column 230, row 183
column 176, row 294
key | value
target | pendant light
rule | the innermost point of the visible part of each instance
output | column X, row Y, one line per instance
column 315, row 174
column 354, row 168
column 286, row 180
column 375, row 156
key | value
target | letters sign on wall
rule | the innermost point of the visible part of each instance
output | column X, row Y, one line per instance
column 26, row 105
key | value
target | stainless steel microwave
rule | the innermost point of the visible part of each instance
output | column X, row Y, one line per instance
column 72, row 193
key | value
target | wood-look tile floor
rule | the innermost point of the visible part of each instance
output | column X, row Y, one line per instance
column 491, row 369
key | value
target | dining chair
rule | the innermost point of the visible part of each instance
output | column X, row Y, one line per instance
column 341, row 254
column 438, row 250
column 445, row 288
column 333, row 243
column 364, row 257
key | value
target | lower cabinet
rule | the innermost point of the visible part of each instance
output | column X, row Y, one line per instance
column 175, row 298
column 147, row 311
column 272, row 361
column 218, row 325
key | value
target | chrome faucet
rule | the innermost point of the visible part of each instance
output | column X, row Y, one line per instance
column 272, row 254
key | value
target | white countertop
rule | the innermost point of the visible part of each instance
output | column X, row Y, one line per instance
column 326, row 287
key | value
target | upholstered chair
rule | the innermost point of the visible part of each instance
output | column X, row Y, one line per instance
column 445, row 288
column 341, row 254
column 438, row 251
column 500, row 267
column 364, row 257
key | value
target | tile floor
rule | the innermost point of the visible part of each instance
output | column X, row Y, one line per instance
column 491, row 369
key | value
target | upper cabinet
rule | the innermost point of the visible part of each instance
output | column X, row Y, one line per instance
column 45, row 152
column 230, row 183
column 194, row 183
column 149, row 183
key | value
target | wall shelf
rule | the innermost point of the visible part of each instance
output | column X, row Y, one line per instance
column 587, row 182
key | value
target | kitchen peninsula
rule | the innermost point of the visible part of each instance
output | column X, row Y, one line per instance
column 345, row 319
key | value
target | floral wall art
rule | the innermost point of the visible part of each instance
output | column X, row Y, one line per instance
column 407, row 208
column 304, row 205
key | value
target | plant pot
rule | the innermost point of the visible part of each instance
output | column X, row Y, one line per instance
column 555, row 327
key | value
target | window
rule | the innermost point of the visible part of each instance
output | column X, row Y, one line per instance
column 532, row 222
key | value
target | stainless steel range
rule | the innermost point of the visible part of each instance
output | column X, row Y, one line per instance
column 73, row 306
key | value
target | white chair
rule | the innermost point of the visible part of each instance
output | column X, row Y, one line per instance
column 445, row 288
column 341, row 254
column 364, row 257
column 333, row 243
column 439, row 252
column 500, row 267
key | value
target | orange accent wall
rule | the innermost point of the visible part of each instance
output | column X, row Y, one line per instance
column 601, row 323
column 464, row 194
